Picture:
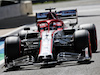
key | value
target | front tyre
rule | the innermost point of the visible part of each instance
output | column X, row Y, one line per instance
column 82, row 42
column 12, row 48
column 93, row 36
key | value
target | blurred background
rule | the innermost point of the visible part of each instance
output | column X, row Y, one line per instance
column 10, row 2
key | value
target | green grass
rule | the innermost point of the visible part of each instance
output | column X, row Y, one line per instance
column 1, row 57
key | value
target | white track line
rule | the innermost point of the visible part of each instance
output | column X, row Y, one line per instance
column 13, row 31
column 2, row 46
column 2, row 61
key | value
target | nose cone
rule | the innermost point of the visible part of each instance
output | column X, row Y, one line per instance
column 46, row 46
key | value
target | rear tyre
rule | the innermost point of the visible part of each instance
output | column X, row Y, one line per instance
column 12, row 48
column 93, row 36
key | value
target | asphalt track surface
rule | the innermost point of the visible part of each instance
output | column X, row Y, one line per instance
column 87, row 14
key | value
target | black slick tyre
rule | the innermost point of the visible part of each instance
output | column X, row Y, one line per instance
column 12, row 48
column 93, row 36
column 82, row 41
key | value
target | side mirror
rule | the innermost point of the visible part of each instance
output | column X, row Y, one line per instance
column 26, row 28
column 73, row 24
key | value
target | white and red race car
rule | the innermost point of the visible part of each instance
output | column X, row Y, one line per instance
column 53, row 42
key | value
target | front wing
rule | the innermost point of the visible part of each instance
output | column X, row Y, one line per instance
column 61, row 57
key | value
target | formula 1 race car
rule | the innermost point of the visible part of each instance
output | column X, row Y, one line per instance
column 53, row 42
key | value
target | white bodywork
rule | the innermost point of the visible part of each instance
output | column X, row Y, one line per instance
column 46, row 44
